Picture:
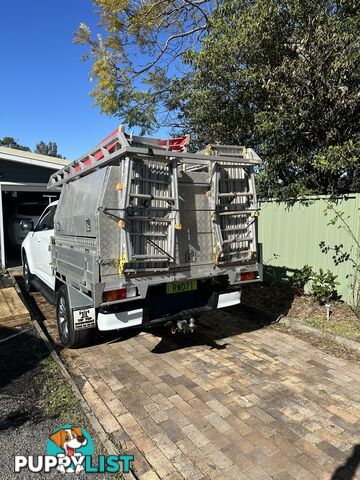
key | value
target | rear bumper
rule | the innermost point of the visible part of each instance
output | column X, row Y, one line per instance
column 115, row 321
column 137, row 316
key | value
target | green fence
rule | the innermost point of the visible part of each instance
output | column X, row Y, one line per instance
column 290, row 236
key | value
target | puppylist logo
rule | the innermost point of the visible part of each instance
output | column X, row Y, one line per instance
column 70, row 449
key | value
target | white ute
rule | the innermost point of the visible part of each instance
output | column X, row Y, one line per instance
column 145, row 233
column 36, row 252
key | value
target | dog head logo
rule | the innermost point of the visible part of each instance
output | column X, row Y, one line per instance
column 69, row 439
column 69, row 444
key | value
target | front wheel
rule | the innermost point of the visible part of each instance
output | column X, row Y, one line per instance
column 68, row 336
column 26, row 274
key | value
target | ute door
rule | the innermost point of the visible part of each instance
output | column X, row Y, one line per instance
column 44, row 230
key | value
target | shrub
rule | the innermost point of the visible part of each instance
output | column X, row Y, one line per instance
column 323, row 286
column 301, row 277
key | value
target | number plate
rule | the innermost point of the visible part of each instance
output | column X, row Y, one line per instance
column 85, row 318
column 181, row 287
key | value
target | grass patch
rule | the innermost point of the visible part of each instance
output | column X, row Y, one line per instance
column 281, row 300
column 59, row 398
column 345, row 327
column 323, row 343
column 29, row 375
column 61, row 402
column 342, row 321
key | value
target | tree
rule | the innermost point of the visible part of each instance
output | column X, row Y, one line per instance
column 282, row 76
column 49, row 149
column 10, row 142
column 139, row 55
column 279, row 75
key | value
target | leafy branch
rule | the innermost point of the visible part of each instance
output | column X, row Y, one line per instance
column 341, row 256
column 137, row 55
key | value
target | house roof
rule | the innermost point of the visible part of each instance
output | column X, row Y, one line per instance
column 32, row 158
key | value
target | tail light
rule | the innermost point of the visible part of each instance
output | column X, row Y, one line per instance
column 120, row 294
column 113, row 295
column 246, row 276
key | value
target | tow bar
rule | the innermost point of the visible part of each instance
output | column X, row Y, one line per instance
column 183, row 326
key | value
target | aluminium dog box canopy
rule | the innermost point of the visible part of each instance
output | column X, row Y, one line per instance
column 151, row 205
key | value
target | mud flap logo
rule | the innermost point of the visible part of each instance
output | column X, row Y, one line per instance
column 85, row 318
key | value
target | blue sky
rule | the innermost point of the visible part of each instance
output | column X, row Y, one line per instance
column 44, row 85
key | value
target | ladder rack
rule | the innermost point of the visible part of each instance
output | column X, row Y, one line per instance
column 149, row 239
column 232, row 199
column 118, row 145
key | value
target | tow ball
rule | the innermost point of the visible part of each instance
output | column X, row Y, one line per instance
column 184, row 326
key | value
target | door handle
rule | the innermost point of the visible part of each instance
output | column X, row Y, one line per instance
column 39, row 240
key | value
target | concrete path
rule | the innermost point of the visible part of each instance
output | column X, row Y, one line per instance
column 228, row 402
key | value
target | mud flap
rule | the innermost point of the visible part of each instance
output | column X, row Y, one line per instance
column 83, row 311
column 229, row 299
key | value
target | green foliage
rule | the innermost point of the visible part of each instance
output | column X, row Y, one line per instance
column 59, row 397
column 323, row 285
column 270, row 272
column 135, row 60
column 282, row 76
column 301, row 277
column 43, row 148
column 278, row 75
column 10, row 142
column 340, row 256
column 49, row 149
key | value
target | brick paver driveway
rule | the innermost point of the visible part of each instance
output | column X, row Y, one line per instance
column 228, row 402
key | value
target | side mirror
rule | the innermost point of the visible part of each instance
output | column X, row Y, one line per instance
column 27, row 225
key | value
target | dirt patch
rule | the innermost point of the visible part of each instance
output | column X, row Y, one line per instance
column 35, row 399
column 322, row 343
column 281, row 300
column 5, row 279
column 342, row 320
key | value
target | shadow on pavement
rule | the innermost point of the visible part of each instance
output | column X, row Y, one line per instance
column 274, row 298
column 212, row 329
column 348, row 470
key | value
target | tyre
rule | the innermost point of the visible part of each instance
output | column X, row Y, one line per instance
column 68, row 336
column 27, row 276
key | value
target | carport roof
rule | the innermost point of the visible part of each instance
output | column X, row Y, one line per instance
column 32, row 158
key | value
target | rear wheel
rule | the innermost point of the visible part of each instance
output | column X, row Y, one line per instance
column 68, row 336
column 26, row 274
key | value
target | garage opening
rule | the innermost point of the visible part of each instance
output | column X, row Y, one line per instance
column 20, row 212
